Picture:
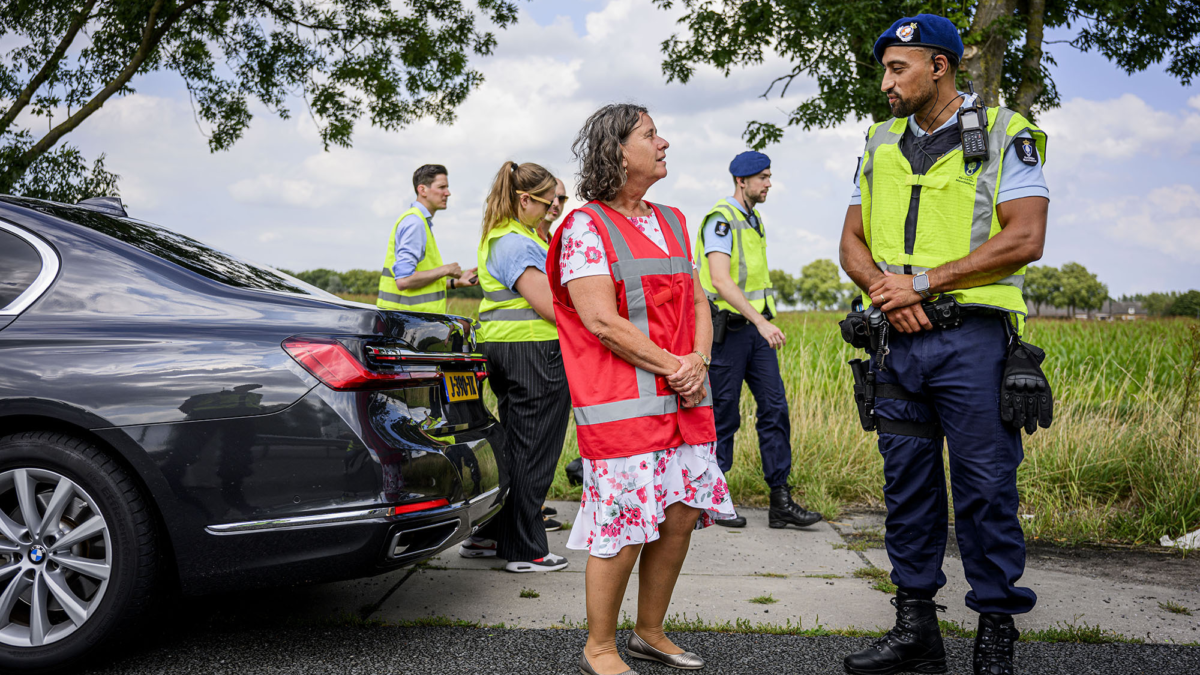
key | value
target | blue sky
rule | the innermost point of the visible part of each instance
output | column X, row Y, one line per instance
column 1123, row 159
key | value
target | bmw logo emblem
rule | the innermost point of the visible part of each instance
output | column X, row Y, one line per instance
column 37, row 554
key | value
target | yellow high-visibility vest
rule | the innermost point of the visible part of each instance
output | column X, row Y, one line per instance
column 428, row 298
column 505, row 316
column 748, row 257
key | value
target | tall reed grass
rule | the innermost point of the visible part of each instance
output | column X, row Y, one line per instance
column 1121, row 464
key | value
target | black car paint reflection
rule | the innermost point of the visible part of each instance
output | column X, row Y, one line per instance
column 169, row 354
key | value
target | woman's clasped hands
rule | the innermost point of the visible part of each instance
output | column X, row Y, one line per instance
column 688, row 381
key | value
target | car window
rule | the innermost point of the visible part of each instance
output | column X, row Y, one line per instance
column 179, row 249
column 19, row 266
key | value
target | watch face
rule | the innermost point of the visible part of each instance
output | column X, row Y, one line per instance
column 920, row 283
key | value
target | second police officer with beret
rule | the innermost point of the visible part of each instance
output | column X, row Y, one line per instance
column 929, row 222
column 733, row 241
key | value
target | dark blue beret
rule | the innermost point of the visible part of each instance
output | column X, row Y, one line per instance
column 922, row 30
column 749, row 163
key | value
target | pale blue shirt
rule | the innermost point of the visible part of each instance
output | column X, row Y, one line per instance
column 511, row 255
column 1017, row 180
column 410, row 242
column 715, row 243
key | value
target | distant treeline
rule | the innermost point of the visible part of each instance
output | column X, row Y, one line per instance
column 819, row 287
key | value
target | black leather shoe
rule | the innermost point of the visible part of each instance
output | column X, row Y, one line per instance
column 740, row 521
column 913, row 645
column 786, row 512
column 994, row 645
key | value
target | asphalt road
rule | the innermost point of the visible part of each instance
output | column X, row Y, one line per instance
column 371, row 650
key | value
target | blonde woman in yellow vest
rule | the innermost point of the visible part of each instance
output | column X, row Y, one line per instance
column 945, row 223
column 525, row 365
column 414, row 277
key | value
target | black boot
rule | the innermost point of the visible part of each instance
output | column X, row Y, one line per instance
column 913, row 645
column 786, row 512
column 994, row 645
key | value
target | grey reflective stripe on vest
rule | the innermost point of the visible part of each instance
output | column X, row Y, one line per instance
column 502, row 295
column 985, row 187
column 674, row 226
column 761, row 294
column 1015, row 280
column 525, row 314
column 630, row 270
column 883, row 136
column 412, row 299
column 387, row 272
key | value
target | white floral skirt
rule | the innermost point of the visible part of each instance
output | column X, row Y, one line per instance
column 624, row 498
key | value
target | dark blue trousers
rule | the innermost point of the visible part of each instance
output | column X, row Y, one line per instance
column 959, row 371
column 746, row 356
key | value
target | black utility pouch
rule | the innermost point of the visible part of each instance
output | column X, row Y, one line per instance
column 720, row 322
column 864, row 393
column 854, row 327
column 944, row 313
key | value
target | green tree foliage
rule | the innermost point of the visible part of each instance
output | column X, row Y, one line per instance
column 361, row 282
column 390, row 62
column 820, row 287
column 1187, row 304
column 1079, row 289
column 785, row 287
column 830, row 41
column 1042, row 285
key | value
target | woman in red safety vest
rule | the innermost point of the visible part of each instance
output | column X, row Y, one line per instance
column 636, row 335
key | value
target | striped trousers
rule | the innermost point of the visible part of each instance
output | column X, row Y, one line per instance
column 530, row 382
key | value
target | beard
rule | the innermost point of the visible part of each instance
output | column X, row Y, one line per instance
column 905, row 106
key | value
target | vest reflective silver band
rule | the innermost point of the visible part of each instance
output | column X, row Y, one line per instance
column 630, row 270
column 412, row 299
column 752, row 295
column 501, row 295
column 524, row 314
column 387, row 272
column 1016, row 280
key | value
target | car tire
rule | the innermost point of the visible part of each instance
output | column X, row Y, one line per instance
column 125, row 551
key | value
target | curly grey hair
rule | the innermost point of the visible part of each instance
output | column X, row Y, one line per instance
column 598, row 149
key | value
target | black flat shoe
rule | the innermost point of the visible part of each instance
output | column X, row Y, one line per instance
column 740, row 521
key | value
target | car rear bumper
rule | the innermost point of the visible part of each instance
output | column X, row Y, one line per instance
column 334, row 546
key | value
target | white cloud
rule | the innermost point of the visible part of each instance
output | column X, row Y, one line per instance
column 278, row 197
column 1167, row 219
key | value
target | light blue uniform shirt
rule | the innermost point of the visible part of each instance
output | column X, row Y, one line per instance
column 716, row 243
column 410, row 242
column 1017, row 180
column 511, row 255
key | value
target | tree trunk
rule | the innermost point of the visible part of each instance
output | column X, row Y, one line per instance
column 1032, row 81
column 983, row 59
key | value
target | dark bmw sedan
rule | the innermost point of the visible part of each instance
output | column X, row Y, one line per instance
column 174, row 417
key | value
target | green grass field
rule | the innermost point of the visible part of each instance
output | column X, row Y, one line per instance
column 1121, row 464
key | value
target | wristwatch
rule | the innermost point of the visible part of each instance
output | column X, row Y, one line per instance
column 921, row 285
column 451, row 283
column 707, row 361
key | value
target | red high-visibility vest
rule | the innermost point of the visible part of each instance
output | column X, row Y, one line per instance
column 621, row 410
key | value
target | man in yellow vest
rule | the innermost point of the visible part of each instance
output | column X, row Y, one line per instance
column 733, row 241
column 950, row 206
column 413, row 277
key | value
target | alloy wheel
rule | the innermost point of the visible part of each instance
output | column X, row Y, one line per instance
column 55, row 557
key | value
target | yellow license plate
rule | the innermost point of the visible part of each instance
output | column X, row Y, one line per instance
column 461, row 386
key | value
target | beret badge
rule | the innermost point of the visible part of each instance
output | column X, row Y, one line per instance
column 907, row 32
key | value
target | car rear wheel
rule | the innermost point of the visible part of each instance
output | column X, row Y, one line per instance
column 77, row 551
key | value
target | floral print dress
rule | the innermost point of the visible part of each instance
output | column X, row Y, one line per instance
column 624, row 499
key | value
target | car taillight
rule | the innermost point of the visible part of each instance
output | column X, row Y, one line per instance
column 481, row 375
column 331, row 363
column 418, row 506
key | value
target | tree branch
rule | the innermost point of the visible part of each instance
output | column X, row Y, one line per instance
column 48, row 67
column 1031, row 67
column 150, row 40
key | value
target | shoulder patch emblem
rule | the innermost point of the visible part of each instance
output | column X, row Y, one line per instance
column 971, row 167
column 1027, row 151
column 722, row 229
column 907, row 32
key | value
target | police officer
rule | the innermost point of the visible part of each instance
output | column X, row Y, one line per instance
column 413, row 276
column 733, row 237
column 929, row 222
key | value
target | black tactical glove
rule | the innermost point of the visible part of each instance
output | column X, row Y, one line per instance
column 1025, row 396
